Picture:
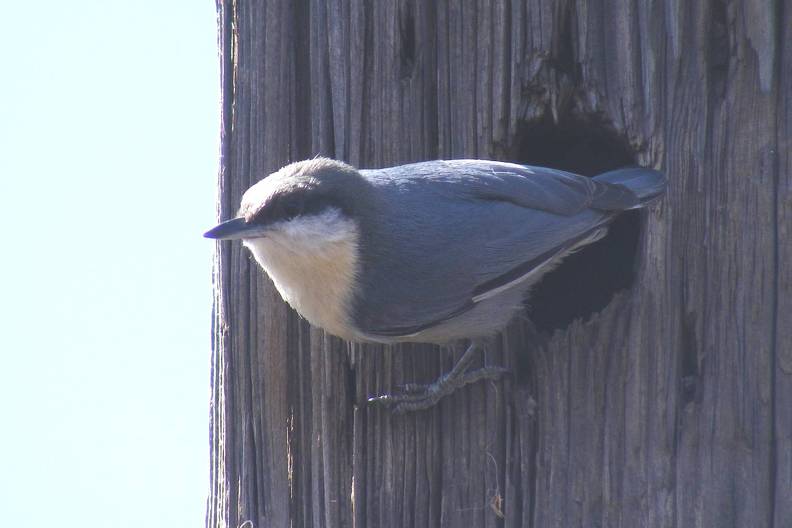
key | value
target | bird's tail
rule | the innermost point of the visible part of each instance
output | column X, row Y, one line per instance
column 646, row 184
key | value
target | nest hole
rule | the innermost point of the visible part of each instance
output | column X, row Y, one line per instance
column 586, row 281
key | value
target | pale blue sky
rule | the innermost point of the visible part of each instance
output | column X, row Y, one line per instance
column 108, row 155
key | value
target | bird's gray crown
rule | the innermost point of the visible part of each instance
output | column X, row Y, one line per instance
column 303, row 188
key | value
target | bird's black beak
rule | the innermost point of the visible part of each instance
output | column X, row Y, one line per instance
column 234, row 229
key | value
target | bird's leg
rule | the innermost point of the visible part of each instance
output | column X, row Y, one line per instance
column 456, row 372
column 417, row 397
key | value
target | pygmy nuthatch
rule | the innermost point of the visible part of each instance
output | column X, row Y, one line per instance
column 429, row 252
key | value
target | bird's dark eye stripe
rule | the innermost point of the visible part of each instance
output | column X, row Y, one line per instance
column 292, row 208
column 288, row 207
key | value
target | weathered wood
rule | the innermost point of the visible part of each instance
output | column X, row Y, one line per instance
column 670, row 407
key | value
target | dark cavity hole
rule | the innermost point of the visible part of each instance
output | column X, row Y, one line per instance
column 586, row 281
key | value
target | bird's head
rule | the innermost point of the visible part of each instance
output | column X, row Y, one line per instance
column 302, row 225
column 318, row 197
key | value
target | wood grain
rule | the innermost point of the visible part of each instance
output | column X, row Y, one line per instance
column 671, row 407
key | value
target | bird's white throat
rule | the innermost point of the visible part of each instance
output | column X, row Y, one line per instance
column 313, row 261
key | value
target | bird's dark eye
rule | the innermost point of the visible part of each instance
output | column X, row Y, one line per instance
column 279, row 209
column 292, row 208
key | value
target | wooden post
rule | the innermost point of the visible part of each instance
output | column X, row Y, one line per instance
column 664, row 399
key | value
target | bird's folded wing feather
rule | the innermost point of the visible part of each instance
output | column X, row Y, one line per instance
column 475, row 227
column 541, row 188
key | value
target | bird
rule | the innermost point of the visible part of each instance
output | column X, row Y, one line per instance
column 428, row 252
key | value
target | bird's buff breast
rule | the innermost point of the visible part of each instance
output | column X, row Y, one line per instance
column 313, row 264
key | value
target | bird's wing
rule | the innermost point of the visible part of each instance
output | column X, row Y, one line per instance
column 541, row 188
column 454, row 233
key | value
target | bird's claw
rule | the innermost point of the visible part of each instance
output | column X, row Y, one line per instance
column 417, row 397
column 414, row 388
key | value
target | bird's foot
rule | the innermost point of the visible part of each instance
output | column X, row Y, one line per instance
column 417, row 397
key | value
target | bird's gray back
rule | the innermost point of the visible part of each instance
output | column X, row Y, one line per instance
column 438, row 231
